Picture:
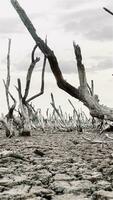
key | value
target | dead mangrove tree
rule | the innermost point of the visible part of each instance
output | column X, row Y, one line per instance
column 82, row 93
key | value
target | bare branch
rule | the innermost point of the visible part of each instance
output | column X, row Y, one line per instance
column 94, row 141
column 109, row 137
column 42, row 78
column 73, row 106
column 80, row 67
column 92, row 87
column 47, row 52
column 19, row 89
column 56, row 110
column 82, row 94
column 29, row 73
column 89, row 88
column 8, row 73
column 108, row 11
column 12, row 108
column 9, row 92
column 34, row 60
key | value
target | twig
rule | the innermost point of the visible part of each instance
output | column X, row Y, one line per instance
column 108, row 11
column 111, row 138
column 56, row 110
column 6, row 153
column 95, row 141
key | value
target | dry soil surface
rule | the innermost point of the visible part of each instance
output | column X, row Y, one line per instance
column 58, row 166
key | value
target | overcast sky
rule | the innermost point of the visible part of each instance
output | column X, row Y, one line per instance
column 63, row 21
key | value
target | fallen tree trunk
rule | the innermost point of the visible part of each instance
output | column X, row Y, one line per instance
column 82, row 93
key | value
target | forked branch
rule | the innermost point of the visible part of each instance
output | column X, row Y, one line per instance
column 42, row 79
column 82, row 93
column 29, row 73
column 47, row 52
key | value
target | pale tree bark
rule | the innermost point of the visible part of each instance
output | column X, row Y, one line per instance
column 42, row 77
column 8, row 121
column 12, row 108
column 25, row 121
column 29, row 73
column 7, row 85
column 82, row 93
column 8, row 74
column 25, row 108
column 57, row 111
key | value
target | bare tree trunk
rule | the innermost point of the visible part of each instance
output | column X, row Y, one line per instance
column 9, row 118
column 8, row 74
column 25, row 108
column 82, row 93
column 25, row 121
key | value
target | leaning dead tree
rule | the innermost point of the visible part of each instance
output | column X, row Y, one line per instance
column 82, row 93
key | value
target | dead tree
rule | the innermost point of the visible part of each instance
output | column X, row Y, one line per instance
column 81, row 93
column 26, row 110
column 7, row 85
column 77, row 118
column 8, row 73
column 9, row 118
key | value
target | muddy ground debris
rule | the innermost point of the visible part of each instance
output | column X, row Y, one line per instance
column 60, row 166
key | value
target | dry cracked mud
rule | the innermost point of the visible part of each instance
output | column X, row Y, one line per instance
column 58, row 166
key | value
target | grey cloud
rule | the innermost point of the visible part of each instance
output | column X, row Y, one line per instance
column 23, row 65
column 74, row 4
column 14, row 25
column 68, row 67
column 102, row 64
column 9, row 25
column 25, row 62
column 105, row 64
column 92, row 24
column 70, row 3
column 105, row 33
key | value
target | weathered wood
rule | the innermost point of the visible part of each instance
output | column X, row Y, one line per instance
column 9, row 118
column 57, row 111
column 92, row 87
column 77, row 118
column 12, row 108
column 29, row 73
column 82, row 93
column 64, row 85
column 42, row 80
column 8, row 74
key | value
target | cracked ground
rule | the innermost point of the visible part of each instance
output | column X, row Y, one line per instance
column 58, row 166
